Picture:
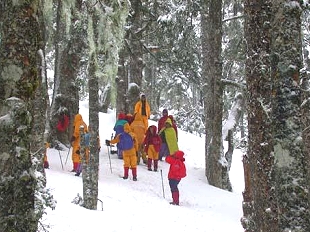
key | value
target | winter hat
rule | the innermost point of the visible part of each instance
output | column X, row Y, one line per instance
column 165, row 111
column 179, row 155
column 169, row 121
column 121, row 116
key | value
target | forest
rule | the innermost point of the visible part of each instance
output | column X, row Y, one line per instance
column 221, row 67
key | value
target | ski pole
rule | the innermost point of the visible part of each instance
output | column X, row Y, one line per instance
column 62, row 166
column 68, row 155
column 162, row 182
column 109, row 158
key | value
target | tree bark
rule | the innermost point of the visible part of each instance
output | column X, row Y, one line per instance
column 289, row 169
column 259, row 197
column 19, row 77
column 216, row 164
column 67, row 65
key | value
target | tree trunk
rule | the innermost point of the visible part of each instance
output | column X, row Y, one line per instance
column 91, row 169
column 20, row 42
column 67, row 66
column 305, row 107
column 122, row 84
column 216, row 164
column 135, row 44
column 289, row 169
column 259, row 194
column 90, row 174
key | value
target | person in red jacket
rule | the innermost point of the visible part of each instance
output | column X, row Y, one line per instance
column 152, row 144
column 177, row 171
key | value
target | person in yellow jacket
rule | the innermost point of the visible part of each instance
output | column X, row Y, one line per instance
column 75, row 140
column 138, row 128
column 86, row 150
column 143, row 107
column 129, row 155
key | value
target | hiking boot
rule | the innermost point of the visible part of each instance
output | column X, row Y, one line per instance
column 173, row 203
column 77, row 174
column 125, row 177
column 134, row 178
column 155, row 170
column 150, row 169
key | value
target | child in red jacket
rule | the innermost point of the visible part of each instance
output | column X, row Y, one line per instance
column 177, row 171
column 152, row 143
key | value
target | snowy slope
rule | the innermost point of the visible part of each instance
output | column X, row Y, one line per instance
column 144, row 205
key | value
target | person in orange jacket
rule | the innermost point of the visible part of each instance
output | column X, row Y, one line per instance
column 45, row 161
column 75, row 140
column 138, row 128
column 86, row 150
column 129, row 155
column 143, row 107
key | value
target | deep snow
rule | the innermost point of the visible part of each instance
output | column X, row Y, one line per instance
column 143, row 206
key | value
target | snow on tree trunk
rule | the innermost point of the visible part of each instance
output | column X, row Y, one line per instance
column 91, row 171
column 20, row 42
column 276, row 196
column 105, row 99
column 216, row 164
column 233, row 118
column 259, row 198
column 289, row 169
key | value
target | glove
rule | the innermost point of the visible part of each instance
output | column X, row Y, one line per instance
column 72, row 139
column 107, row 142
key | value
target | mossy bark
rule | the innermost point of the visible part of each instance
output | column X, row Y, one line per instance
column 20, row 43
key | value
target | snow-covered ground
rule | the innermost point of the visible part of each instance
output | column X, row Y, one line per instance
column 143, row 206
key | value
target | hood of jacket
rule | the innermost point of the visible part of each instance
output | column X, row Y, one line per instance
column 179, row 155
column 169, row 121
column 154, row 128
column 127, row 127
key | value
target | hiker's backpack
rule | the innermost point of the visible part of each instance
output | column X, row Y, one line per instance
column 179, row 169
column 125, row 141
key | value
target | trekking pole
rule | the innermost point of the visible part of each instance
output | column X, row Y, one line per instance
column 162, row 182
column 62, row 166
column 109, row 158
column 68, row 155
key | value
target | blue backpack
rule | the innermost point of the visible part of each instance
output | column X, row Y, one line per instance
column 125, row 141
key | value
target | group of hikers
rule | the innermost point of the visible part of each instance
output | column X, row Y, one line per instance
column 136, row 140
